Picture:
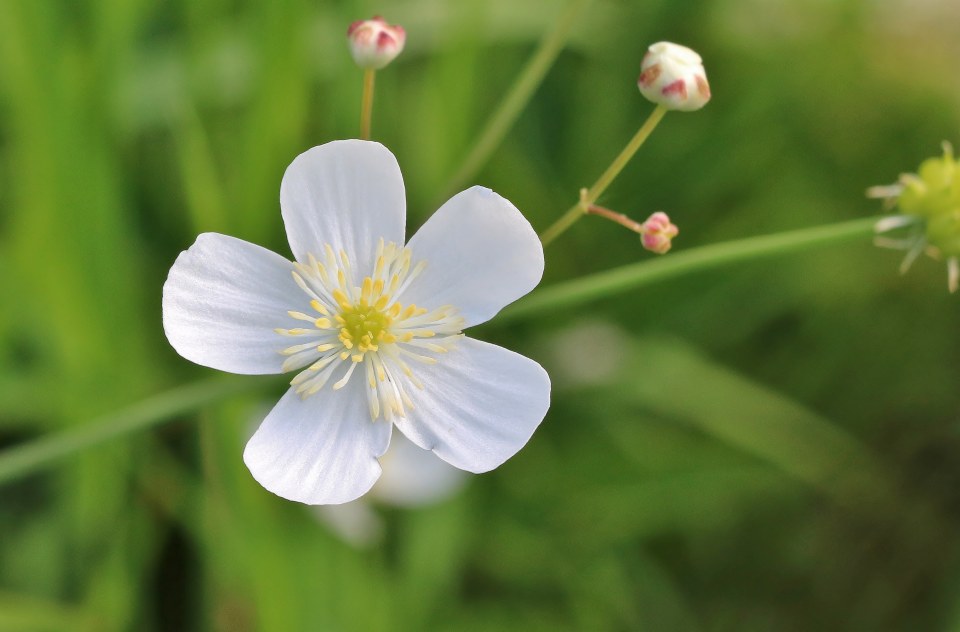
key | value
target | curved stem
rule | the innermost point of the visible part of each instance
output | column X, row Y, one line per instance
column 518, row 96
column 28, row 457
column 635, row 275
column 579, row 209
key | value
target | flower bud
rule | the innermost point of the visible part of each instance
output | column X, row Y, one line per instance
column 374, row 43
column 658, row 233
column 673, row 76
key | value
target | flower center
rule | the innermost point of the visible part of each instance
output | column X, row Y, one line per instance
column 365, row 324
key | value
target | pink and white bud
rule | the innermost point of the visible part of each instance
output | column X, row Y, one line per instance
column 673, row 76
column 374, row 43
column 658, row 233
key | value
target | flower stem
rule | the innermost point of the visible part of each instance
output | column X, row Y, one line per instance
column 635, row 275
column 366, row 104
column 579, row 209
column 518, row 96
column 619, row 218
column 28, row 457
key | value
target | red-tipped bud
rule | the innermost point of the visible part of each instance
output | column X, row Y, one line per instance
column 673, row 76
column 658, row 233
column 374, row 43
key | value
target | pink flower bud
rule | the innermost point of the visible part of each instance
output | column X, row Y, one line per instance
column 374, row 43
column 673, row 76
column 658, row 233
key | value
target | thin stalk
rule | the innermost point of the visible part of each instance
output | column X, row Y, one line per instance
column 46, row 451
column 632, row 276
column 366, row 103
column 579, row 209
column 518, row 96
column 29, row 457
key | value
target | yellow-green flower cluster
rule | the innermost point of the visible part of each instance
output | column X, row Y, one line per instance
column 929, row 208
column 933, row 193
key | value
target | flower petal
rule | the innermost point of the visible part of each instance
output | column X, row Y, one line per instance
column 321, row 450
column 479, row 405
column 221, row 301
column 347, row 193
column 481, row 252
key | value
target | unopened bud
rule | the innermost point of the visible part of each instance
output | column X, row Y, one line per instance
column 374, row 43
column 658, row 233
column 673, row 76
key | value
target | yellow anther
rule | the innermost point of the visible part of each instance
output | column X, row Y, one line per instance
column 293, row 332
column 407, row 337
column 342, row 279
column 325, row 347
column 382, row 301
column 388, row 338
column 317, row 306
column 395, row 310
column 366, row 290
column 323, row 323
column 344, row 355
column 378, row 286
column 357, row 358
column 341, row 298
column 425, row 333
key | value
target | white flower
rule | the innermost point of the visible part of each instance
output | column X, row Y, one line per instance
column 373, row 327
column 673, row 76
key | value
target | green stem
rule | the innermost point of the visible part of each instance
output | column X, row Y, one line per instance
column 366, row 103
column 635, row 275
column 519, row 95
column 579, row 209
column 28, row 457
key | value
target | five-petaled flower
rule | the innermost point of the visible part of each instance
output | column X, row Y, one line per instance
column 372, row 327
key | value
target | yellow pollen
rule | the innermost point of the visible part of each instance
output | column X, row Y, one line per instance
column 315, row 304
column 323, row 323
column 341, row 298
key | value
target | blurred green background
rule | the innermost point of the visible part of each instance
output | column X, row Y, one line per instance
column 767, row 446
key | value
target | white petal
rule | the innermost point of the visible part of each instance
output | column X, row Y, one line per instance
column 479, row 405
column 222, row 300
column 481, row 252
column 321, row 450
column 349, row 194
